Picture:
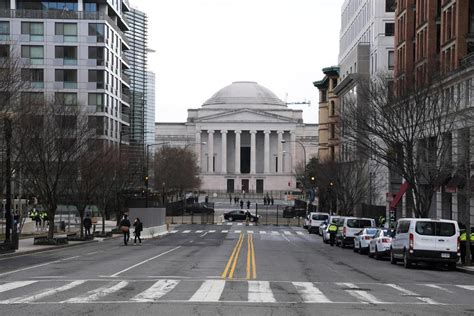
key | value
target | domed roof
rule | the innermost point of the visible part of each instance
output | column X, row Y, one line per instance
column 244, row 94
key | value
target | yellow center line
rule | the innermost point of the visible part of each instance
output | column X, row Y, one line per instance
column 236, row 259
column 254, row 266
column 249, row 254
column 224, row 274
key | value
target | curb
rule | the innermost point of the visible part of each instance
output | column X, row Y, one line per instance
column 18, row 254
column 465, row 270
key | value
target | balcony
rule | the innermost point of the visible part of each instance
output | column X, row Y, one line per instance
column 126, row 98
column 126, row 79
column 125, row 118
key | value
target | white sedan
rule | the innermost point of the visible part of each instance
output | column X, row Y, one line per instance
column 379, row 246
column 362, row 239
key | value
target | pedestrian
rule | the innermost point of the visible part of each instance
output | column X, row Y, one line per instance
column 264, row 200
column 125, row 228
column 248, row 204
column 87, row 225
column 138, row 229
column 206, row 199
column 230, row 199
column 332, row 229
column 272, row 200
column 241, row 204
column 247, row 217
column 236, row 200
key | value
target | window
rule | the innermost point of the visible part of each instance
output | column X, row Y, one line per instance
column 390, row 5
column 403, row 227
column 32, row 98
column 332, row 109
column 4, row 31
column 391, row 59
column 324, row 95
column 4, row 51
column 34, row 29
column 33, row 76
column 97, row 30
column 68, row 30
column 97, row 100
column 389, row 29
column 34, row 53
column 68, row 76
column 65, row 98
column 97, row 53
column 67, row 53
column 98, row 77
column 358, row 223
column 90, row 7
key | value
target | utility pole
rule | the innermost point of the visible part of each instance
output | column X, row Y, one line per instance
column 8, row 178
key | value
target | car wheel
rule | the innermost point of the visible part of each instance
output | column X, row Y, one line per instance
column 231, row 219
column 392, row 257
column 406, row 261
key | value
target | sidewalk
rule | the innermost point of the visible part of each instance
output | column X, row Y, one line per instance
column 466, row 269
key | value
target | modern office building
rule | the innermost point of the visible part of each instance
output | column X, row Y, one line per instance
column 137, row 59
column 73, row 51
column 150, row 108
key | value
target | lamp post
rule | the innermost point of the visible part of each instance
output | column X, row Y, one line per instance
column 146, row 177
column 304, row 153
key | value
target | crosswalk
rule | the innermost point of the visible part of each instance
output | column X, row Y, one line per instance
column 238, row 231
column 218, row 290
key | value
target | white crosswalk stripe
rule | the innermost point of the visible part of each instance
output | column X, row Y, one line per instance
column 98, row 293
column 249, row 231
column 156, row 291
column 173, row 231
column 262, row 232
column 14, row 285
column 300, row 233
column 239, row 224
column 210, row 291
column 199, row 231
column 212, row 231
column 260, row 291
column 43, row 294
column 362, row 295
column 275, row 232
column 288, row 233
column 104, row 291
column 310, row 293
column 186, row 231
column 224, row 231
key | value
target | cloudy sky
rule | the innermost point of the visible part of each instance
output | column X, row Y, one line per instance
column 203, row 45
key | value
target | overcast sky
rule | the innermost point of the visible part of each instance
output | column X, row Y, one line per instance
column 203, row 45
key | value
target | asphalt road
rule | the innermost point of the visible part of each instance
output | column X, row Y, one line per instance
column 225, row 270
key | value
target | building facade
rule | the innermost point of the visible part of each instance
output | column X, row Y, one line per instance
column 246, row 139
column 150, row 108
column 329, row 111
column 73, row 51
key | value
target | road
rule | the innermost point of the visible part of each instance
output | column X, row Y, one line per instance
column 225, row 270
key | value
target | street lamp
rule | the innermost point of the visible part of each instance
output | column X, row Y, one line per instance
column 304, row 153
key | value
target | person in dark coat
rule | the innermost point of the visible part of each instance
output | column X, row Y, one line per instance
column 241, row 204
column 248, row 204
column 125, row 227
column 87, row 225
column 138, row 229
column 272, row 200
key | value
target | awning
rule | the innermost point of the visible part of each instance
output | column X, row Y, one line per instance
column 399, row 195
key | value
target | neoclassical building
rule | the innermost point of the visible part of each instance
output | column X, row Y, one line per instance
column 245, row 138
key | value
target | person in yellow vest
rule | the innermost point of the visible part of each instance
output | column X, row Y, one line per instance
column 332, row 229
column 463, row 238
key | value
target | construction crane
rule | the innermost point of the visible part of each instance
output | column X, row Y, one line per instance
column 308, row 102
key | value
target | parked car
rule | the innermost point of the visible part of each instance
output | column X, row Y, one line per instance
column 350, row 226
column 315, row 220
column 379, row 246
column 239, row 215
column 291, row 212
column 332, row 219
column 362, row 239
column 425, row 240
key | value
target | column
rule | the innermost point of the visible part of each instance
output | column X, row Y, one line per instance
column 210, row 151
column 293, row 152
column 224, row 152
column 267, row 152
column 237, row 152
column 198, row 149
column 253, row 152
column 80, row 5
column 13, row 4
column 280, row 151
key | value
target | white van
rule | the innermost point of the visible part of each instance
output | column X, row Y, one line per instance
column 315, row 220
column 350, row 227
column 425, row 240
column 334, row 220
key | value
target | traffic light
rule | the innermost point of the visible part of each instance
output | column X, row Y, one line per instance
column 146, row 181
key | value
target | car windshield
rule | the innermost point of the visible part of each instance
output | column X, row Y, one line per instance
column 320, row 217
column 435, row 229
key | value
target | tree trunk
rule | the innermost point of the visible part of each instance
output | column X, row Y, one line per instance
column 82, row 226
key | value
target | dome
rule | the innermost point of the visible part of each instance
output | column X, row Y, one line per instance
column 244, row 94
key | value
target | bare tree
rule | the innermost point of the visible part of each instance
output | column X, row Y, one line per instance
column 53, row 137
column 409, row 133
column 177, row 168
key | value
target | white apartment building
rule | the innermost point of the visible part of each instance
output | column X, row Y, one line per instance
column 73, row 51
column 366, row 49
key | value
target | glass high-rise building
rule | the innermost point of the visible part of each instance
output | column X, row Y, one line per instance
column 150, row 108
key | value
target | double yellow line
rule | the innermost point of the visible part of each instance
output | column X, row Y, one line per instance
column 234, row 258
